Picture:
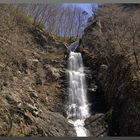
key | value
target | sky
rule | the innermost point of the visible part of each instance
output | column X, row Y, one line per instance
column 84, row 6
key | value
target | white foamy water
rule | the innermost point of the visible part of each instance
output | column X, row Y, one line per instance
column 78, row 109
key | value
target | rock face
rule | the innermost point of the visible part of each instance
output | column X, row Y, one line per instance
column 32, row 92
column 96, row 125
column 115, row 75
column 56, row 125
column 33, row 121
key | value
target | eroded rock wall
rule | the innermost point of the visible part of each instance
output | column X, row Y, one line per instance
column 114, row 74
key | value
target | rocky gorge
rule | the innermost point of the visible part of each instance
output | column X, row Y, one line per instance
column 34, row 85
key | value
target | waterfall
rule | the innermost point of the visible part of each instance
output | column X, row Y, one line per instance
column 78, row 109
column 74, row 45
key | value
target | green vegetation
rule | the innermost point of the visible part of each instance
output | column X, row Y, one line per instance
column 40, row 25
column 23, row 18
column 67, row 40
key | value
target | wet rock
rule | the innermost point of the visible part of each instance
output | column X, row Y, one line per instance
column 93, row 87
column 103, row 67
column 96, row 125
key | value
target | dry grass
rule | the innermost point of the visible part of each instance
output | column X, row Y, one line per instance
column 23, row 70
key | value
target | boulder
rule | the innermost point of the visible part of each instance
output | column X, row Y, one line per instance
column 96, row 125
column 52, row 73
column 54, row 124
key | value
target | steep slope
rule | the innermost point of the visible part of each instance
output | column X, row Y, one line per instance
column 32, row 77
column 111, row 51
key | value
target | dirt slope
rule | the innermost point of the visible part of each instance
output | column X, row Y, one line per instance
column 31, row 83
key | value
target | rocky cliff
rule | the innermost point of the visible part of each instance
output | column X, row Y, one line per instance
column 32, row 81
column 113, row 60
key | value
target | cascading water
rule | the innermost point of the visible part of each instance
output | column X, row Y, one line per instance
column 78, row 109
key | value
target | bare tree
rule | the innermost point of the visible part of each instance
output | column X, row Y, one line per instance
column 61, row 20
column 120, row 31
